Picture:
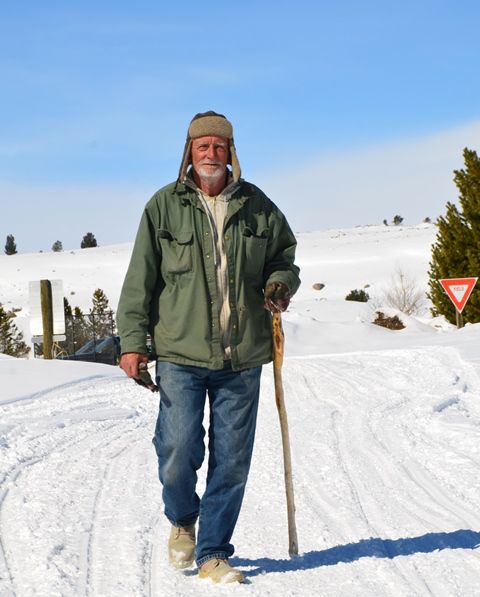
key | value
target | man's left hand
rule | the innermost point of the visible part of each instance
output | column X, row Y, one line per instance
column 277, row 297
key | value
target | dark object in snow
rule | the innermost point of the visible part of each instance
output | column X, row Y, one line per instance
column 392, row 323
column 318, row 286
column 357, row 295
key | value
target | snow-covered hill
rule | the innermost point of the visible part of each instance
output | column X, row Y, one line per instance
column 385, row 430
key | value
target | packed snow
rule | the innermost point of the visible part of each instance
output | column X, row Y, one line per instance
column 384, row 426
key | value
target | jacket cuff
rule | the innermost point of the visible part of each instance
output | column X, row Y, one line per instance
column 287, row 278
column 132, row 345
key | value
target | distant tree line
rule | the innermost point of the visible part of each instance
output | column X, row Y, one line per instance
column 88, row 241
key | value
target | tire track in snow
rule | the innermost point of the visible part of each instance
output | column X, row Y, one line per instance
column 69, row 445
column 347, row 436
column 346, row 461
column 357, row 458
column 12, row 477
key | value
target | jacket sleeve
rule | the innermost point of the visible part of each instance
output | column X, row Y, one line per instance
column 280, row 256
column 133, row 314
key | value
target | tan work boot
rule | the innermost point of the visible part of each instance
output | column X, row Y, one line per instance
column 181, row 546
column 220, row 571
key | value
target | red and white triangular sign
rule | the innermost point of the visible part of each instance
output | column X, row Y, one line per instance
column 459, row 290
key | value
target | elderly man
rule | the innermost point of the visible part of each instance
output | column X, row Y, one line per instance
column 212, row 257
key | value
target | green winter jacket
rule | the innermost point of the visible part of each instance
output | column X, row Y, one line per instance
column 170, row 288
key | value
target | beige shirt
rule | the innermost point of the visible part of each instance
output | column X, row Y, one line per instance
column 216, row 208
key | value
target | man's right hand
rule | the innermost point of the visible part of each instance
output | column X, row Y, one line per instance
column 129, row 362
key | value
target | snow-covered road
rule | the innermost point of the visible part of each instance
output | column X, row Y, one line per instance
column 386, row 456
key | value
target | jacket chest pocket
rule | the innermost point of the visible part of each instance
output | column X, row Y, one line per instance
column 176, row 250
column 255, row 248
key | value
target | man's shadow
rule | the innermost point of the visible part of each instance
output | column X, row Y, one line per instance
column 366, row 548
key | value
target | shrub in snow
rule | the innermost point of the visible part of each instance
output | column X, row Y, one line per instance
column 357, row 295
column 392, row 323
column 455, row 253
column 57, row 246
column 403, row 294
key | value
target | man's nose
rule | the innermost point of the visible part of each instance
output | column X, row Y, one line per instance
column 211, row 153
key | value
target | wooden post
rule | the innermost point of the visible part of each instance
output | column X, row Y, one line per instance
column 278, row 348
column 47, row 317
column 459, row 319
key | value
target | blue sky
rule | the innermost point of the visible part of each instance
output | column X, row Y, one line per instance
column 96, row 98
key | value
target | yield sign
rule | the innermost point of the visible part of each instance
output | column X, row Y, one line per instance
column 459, row 290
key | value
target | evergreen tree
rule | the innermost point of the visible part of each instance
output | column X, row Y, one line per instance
column 101, row 314
column 69, row 336
column 57, row 246
column 10, row 246
column 11, row 339
column 455, row 252
column 88, row 241
column 67, row 308
column 397, row 220
column 99, row 302
column 81, row 328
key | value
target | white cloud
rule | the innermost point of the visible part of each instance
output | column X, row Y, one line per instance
column 412, row 177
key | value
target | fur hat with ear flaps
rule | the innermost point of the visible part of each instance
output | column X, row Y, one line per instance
column 207, row 124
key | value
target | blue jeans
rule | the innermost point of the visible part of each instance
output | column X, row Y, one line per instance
column 178, row 440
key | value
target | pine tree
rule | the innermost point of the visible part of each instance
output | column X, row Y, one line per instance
column 81, row 328
column 69, row 332
column 101, row 314
column 10, row 246
column 455, row 252
column 67, row 308
column 88, row 241
column 99, row 302
column 397, row 220
column 11, row 339
column 57, row 246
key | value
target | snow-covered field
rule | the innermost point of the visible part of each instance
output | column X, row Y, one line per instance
column 385, row 433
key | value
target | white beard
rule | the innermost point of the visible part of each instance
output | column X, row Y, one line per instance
column 209, row 175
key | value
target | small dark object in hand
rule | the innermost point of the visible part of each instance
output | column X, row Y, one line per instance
column 144, row 378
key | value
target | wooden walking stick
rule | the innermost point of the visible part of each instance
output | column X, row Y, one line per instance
column 278, row 347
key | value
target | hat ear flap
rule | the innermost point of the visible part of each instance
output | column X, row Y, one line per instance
column 236, row 171
column 186, row 160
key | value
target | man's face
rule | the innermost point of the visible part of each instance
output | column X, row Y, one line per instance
column 210, row 157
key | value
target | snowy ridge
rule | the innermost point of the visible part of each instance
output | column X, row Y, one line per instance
column 386, row 468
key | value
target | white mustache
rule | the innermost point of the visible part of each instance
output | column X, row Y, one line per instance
column 204, row 163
